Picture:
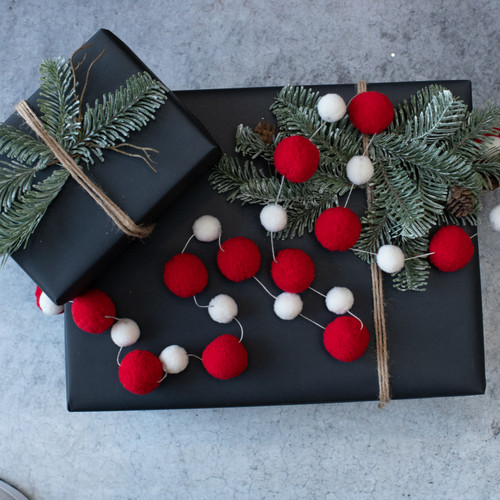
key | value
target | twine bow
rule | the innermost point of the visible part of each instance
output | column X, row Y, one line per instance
column 119, row 217
column 378, row 303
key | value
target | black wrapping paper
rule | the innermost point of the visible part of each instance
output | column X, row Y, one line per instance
column 435, row 338
column 76, row 240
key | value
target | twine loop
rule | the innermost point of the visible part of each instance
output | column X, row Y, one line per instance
column 378, row 301
column 119, row 217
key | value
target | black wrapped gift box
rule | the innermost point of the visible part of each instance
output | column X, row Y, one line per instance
column 435, row 338
column 76, row 240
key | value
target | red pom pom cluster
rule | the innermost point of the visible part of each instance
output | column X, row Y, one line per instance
column 337, row 228
column 345, row 340
column 371, row 112
column 93, row 312
column 140, row 372
column 238, row 259
column 297, row 158
column 451, row 249
column 293, row 270
column 185, row 275
column 225, row 357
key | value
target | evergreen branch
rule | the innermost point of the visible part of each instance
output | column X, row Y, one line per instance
column 415, row 273
column 57, row 102
column 250, row 144
column 15, row 180
column 24, row 148
column 18, row 223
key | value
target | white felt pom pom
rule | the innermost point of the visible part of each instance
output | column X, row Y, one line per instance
column 495, row 218
column 331, row 107
column 48, row 307
column 339, row 300
column 273, row 218
column 125, row 332
column 206, row 228
column 359, row 170
column 174, row 359
column 390, row 258
column 288, row 305
column 222, row 308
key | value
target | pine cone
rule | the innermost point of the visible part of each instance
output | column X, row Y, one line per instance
column 461, row 201
column 494, row 182
column 266, row 131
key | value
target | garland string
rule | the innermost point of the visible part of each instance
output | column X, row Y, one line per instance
column 378, row 301
column 119, row 217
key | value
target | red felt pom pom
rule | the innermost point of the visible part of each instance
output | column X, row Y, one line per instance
column 185, row 275
column 337, row 228
column 297, row 158
column 452, row 248
column 140, row 372
column 225, row 357
column 91, row 309
column 345, row 339
column 38, row 294
column 293, row 270
column 238, row 259
column 371, row 112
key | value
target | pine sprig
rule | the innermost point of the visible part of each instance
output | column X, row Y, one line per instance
column 251, row 145
column 15, row 180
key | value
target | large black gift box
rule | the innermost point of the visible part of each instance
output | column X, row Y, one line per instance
column 435, row 338
column 76, row 240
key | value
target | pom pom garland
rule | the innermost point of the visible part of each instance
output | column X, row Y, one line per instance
column 207, row 228
column 371, row 112
column 495, row 218
column 225, row 357
column 222, row 308
column 140, row 372
column 93, row 312
column 390, row 259
column 297, row 158
column 293, row 270
column 359, row 169
column 331, row 108
column 345, row 340
column 238, row 259
column 45, row 304
column 125, row 332
column 185, row 275
column 288, row 306
column 174, row 359
column 337, row 228
column 339, row 300
column 273, row 218
column 451, row 249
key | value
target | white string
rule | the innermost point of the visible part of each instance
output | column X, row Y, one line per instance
column 220, row 245
column 349, row 195
column 187, row 243
column 241, row 328
column 363, row 251
column 318, row 129
column 112, row 317
column 272, row 248
column 195, row 356
column 369, row 144
column 262, row 285
column 354, row 316
column 280, row 188
column 420, row 256
column 200, row 306
column 163, row 378
column 473, row 236
column 310, row 320
column 316, row 291
column 118, row 356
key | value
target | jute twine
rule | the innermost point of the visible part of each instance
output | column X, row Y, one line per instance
column 119, row 217
column 378, row 303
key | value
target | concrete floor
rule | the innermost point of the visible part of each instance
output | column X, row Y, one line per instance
column 440, row 449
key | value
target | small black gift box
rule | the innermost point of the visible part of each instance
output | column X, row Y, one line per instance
column 76, row 240
column 435, row 338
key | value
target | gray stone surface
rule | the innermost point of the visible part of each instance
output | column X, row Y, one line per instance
column 442, row 448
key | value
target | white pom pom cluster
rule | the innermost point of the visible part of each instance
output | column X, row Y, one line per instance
column 125, row 332
column 390, row 258
column 207, row 228
column 222, row 308
column 331, row 108
column 339, row 300
column 174, row 359
column 495, row 218
column 359, row 170
column 273, row 218
column 288, row 305
column 48, row 307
